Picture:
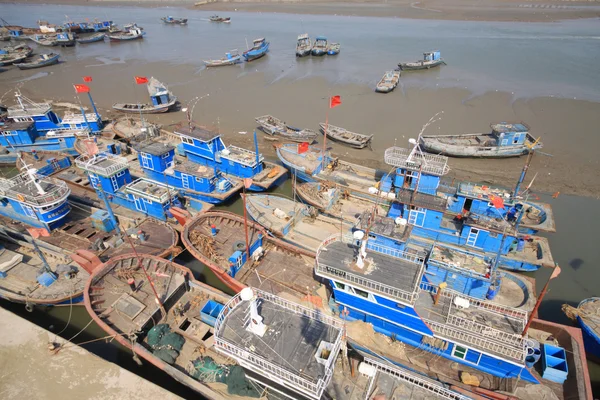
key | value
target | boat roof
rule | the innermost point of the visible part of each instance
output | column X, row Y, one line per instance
column 15, row 126
column 504, row 127
column 156, row 88
column 150, row 190
column 258, row 40
column 417, row 161
column 303, row 36
column 196, row 132
column 321, row 38
column 382, row 225
column 192, row 168
column 154, row 147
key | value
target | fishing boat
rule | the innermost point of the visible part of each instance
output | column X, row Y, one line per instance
column 275, row 127
column 340, row 203
column 44, row 40
column 431, row 59
column 352, row 139
column 174, row 21
column 586, row 314
column 294, row 222
column 46, row 27
column 319, row 46
column 16, row 33
column 65, row 39
column 231, row 58
column 388, row 82
column 133, row 33
column 162, row 100
column 14, row 54
column 259, row 49
column 101, row 26
column 505, row 140
column 4, row 37
column 333, row 49
column 43, row 60
column 303, row 45
column 216, row 18
column 93, row 38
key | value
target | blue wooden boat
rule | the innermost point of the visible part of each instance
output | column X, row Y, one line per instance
column 44, row 40
column 319, row 46
column 14, row 54
column 43, row 60
column 101, row 26
column 174, row 21
column 162, row 100
column 133, row 33
column 505, row 140
column 96, row 37
column 231, row 58
column 258, row 50
column 17, row 34
column 24, row 137
column 587, row 315
column 431, row 59
column 274, row 126
column 333, row 49
column 65, row 39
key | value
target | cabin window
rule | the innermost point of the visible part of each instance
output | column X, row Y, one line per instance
column 459, row 352
column 121, row 173
column 165, row 155
column 516, row 138
column 187, row 140
column 146, row 201
column 340, row 286
column 372, row 236
column 198, row 179
column 361, row 293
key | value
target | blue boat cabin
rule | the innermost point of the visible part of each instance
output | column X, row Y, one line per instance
column 23, row 136
column 16, row 33
column 110, row 176
column 510, row 134
column 432, row 56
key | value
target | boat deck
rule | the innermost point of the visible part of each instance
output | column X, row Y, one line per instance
column 458, row 259
column 476, row 139
column 384, row 226
column 184, row 165
column 291, row 341
column 351, row 175
column 423, row 200
column 536, row 252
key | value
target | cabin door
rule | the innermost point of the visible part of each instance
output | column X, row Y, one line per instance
column 472, row 238
column 94, row 181
column 185, row 181
column 147, row 161
column 139, row 204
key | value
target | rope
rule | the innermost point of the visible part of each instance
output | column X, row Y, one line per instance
column 70, row 312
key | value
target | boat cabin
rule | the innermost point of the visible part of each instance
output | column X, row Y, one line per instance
column 432, row 56
column 109, row 175
column 23, row 136
column 258, row 43
column 510, row 134
column 16, row 34
column 100, row 26
column 159, row 93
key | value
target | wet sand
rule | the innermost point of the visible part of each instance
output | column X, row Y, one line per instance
column 568, row 128
column 463, row 10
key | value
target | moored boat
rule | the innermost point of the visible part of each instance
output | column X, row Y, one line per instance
column 275, row 127
column 353, row 139
column 303, row 45
column 65, row 39
column 431, row 59
column 14, row 54
column 231, row 58
column 216, row 18
column 162, row 100
column 43, row 60
column 333, row 49
column 44, row 40
column 96, row 37
column 587, row 315
column 259, row 49
column 505, row 140
column 132, row 33
column 319, row 46
column 46, row 27
column 174, row 21
column 388, row 82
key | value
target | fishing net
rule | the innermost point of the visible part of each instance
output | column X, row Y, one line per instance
column 167, row 355
column 166, row 344
column 237, row 384
column 172, row 340
column 207, row 370
column 156, row 333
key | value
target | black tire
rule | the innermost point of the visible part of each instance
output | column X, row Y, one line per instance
column 239, row 246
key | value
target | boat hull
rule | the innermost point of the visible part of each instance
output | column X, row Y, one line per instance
column 303, row 53
column 318, row 52
column 92, row 39
column 431, row 145
column 412, row 67
column 51, row 61
column 143, row 108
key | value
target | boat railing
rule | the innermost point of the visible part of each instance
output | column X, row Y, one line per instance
column 91, row 163
column 241, row 155
column 291, row 379
column 139, row 188
column 414, row 379
column 417, row 161
column 54, row 192
column 388, row 251
column 76, row 118
column 328, row 271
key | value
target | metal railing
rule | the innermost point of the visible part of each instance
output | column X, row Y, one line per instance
column 412, row 379
column 90, row 163
column 388, row 251
column 55, row 190
column 166, row 194
column 291, row 379
column 424, row 162
column 73, row 118
column 236, row 157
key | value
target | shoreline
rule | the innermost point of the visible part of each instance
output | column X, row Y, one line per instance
column 457, row 10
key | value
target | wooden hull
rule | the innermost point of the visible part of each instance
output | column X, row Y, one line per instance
column 143, row 108
column 416, row 66
column 91, row 39
column 223, row 63
column 348, row 142
column 114, row 38
column 432, row 145
column 52, row 61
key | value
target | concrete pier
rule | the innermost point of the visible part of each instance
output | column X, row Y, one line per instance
column 30, row 371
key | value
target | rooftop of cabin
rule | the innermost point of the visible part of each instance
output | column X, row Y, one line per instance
column 243, row 156
column 150, row 190
column 480, row 191
column 504, row 127
column 196, row 132
column 455, row 258
column 498, row 224
column 23, row 188
column 416, row 160
column 383, row 225
column 77, row 118
column 386, row 271
column 154, row 147
column 186, row 166
column 424, row 200
column 28, row 109
column 15, row 126
column 293, row 338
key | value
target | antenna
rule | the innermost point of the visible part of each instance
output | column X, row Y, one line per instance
column 31, row 173
column 190, row 108
column 255, row 325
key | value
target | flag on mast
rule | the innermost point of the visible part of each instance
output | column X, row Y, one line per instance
column 335, row 101
column 81, row 88
column 87, row 78
column 141, row 80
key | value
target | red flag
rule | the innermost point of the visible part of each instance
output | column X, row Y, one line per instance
column 497, row 201
column 247, row 183
column 335, row 101
column 81, row 88
column 87, row 78
column 141, row 79
column 302, row 147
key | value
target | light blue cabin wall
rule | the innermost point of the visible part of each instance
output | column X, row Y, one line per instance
column 110, row 185
column 462, row 282
column 158, row 163
column 141, row 205
column 186, row 181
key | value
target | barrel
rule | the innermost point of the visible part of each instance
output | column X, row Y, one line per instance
column 491, row 293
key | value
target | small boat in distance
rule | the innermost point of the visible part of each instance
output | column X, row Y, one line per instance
column 65, row 39
column 274, row 126
column 505, row 140
column 14, row 54
column 430, row 59
column 162, row 100
column 303, row 45
column 216, row 18
column 352, row 139
column 260, row 49
column 333, row 49
column 42, row 60
column 231, row 58
column 133, row 33
column 44, row 40
column 96, row 37
column 174, row 21
column 320, row 46
column 388, row 82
